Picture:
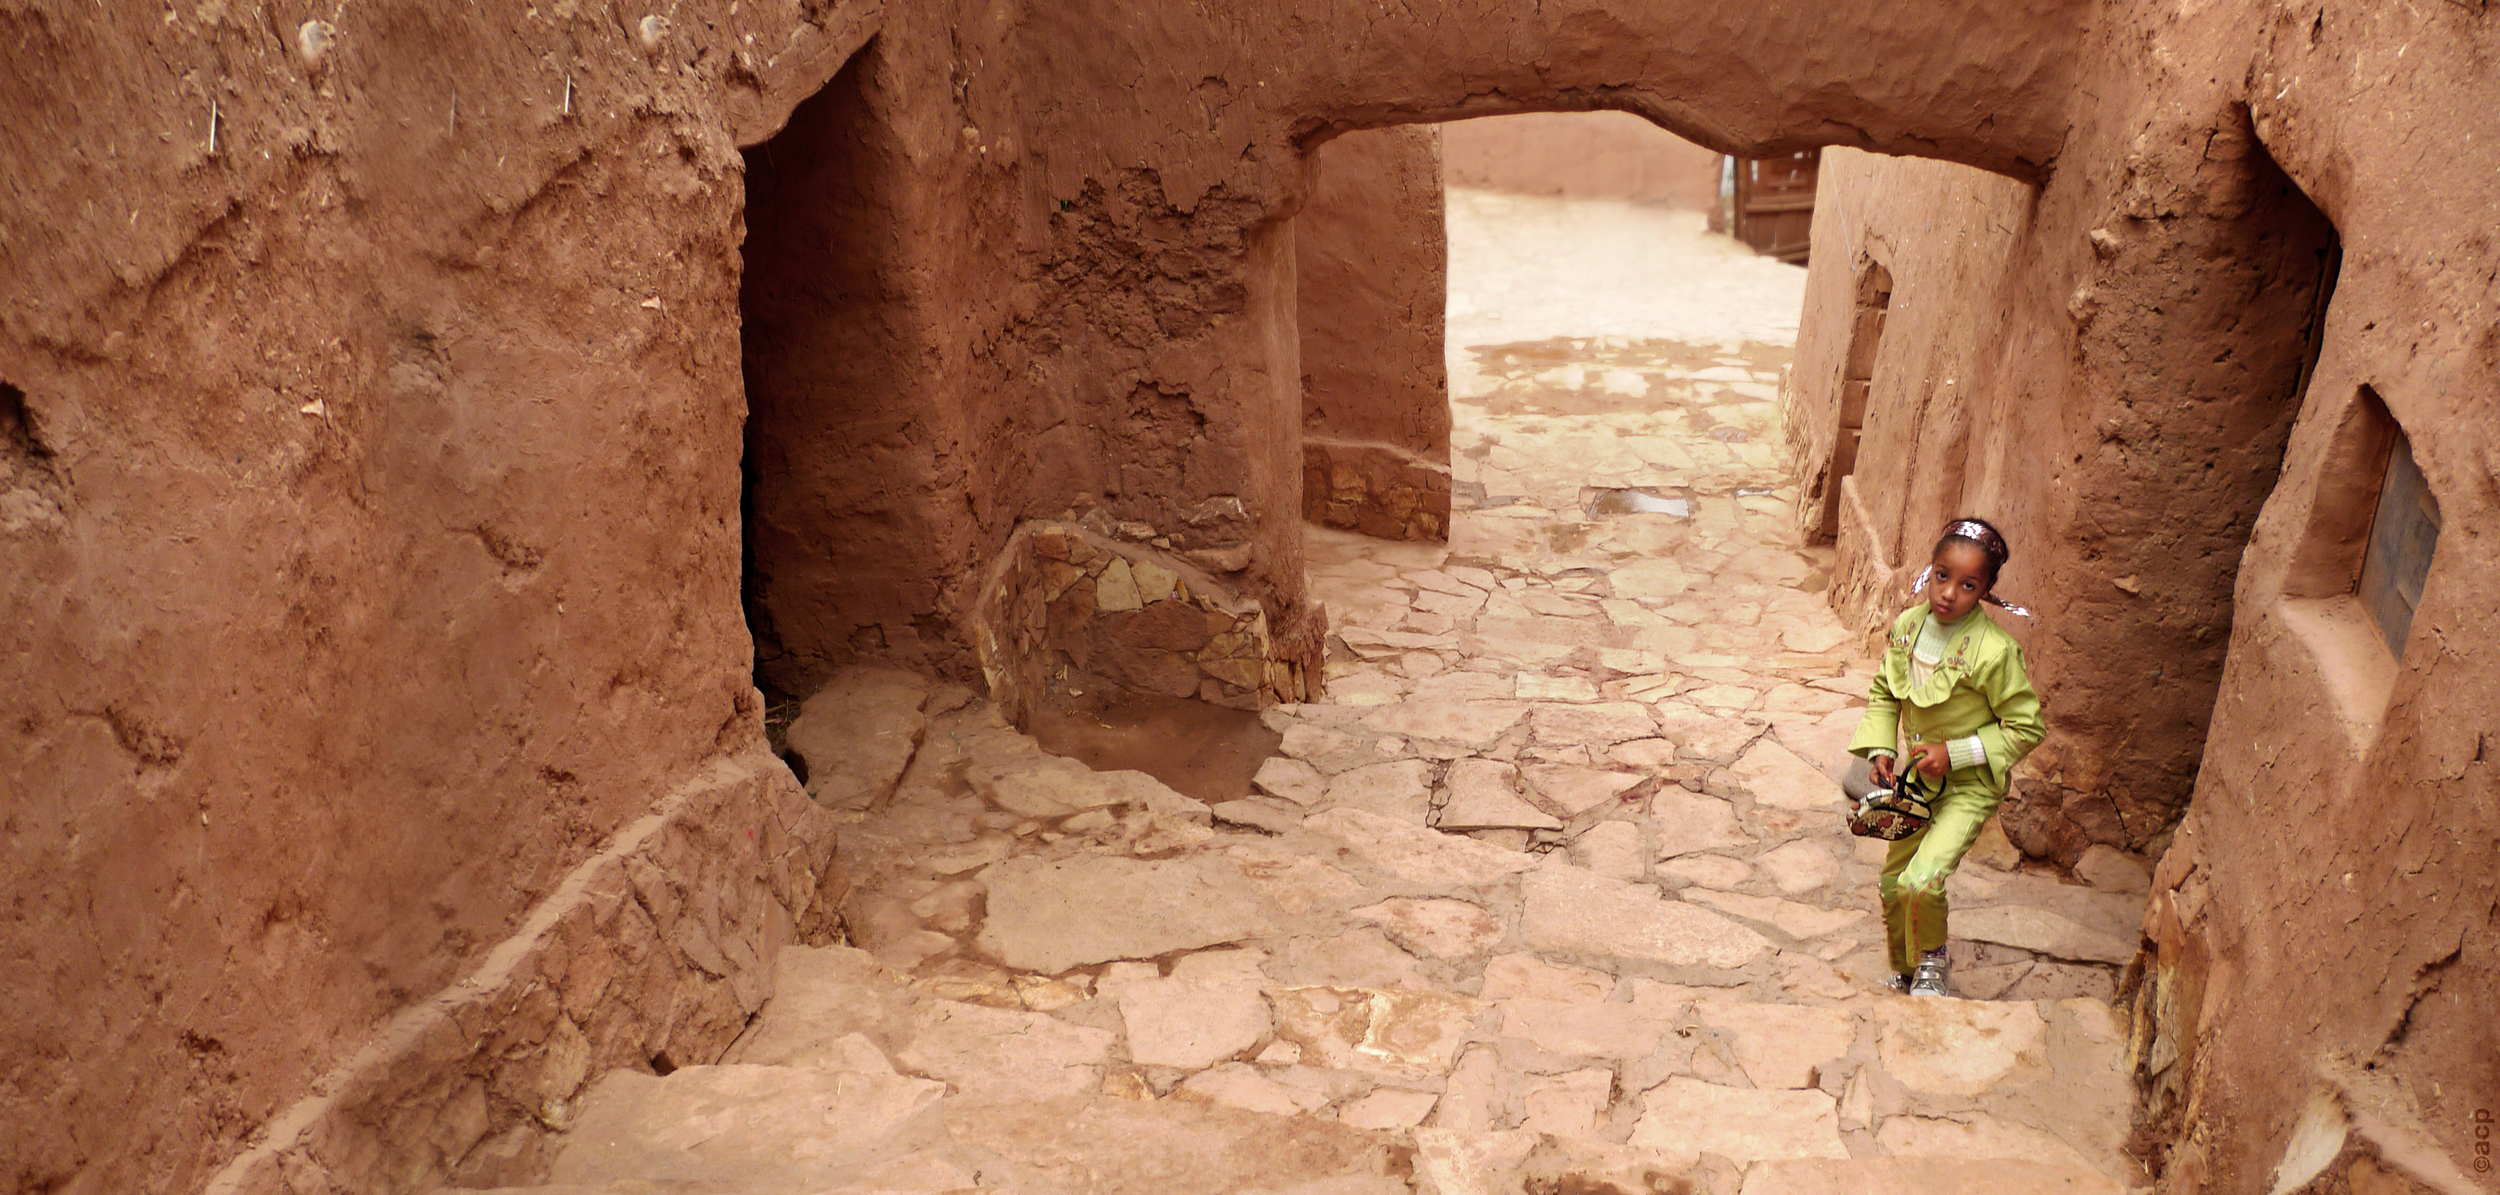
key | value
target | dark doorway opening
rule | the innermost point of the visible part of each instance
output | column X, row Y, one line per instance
column 819, row 347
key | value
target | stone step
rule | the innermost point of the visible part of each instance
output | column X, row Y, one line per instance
column 767, row 1128
column 1923, row 1176
column 748, row 1130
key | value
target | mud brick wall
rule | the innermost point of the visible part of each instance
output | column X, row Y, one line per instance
column 2163, row 445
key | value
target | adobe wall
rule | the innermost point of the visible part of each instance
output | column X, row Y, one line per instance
column 1613, row 155
column 2332, row 915
column 376, row 497
column 1113, row 333
column 2149, row 378
column 370, row 521
column 2187, row 517
column 1372, row 261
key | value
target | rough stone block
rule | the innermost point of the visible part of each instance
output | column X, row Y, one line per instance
column 1416, row 854
column 725, row 1123
column 1005, row 1053
column 858, row 733
column 1775, row 776
column 1573, row 790
column 1209, row 1009
column 1049, row 917
column 1482, row 794
column 1387, row 1109
column 1743, row 1126
column 1436, row 926
column 1782, row 1045
column 1923, row 1176
column 1412, row 1034
column 1580, row 912
column 1612, row 849
column 1400, row 789
column 1959, row 1047
column 1513, row 976
column 2041, row 932
column 1571, row 1105
column 1689, row 822
column 1579, row 1029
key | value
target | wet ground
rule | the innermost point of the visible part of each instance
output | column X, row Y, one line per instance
column 1203, row 751
column 1551, row 892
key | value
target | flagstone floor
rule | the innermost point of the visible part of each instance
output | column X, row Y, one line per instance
column 1551, row 893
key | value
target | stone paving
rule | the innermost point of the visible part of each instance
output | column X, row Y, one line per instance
column 1550, row 894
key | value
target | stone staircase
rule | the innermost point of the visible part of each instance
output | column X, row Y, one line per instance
column 1086, row 982
column 1552, row 895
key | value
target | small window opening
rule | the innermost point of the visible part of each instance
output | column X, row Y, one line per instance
column 2402, row 537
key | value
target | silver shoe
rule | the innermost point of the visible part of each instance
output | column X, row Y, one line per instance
column 1899, row 983
column 1929, row 979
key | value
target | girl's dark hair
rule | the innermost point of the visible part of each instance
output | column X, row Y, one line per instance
column 1980, row 534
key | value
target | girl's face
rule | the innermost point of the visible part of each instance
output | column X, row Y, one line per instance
column 1960, row 580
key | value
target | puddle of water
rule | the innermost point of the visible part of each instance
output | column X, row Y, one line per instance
column 1200, row 750
column 1604, row 503
column 1470, row 495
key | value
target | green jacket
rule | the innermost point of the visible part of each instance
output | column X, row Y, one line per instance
column 1979, row 688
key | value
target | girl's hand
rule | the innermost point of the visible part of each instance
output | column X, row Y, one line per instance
column 1932, row 759
column 1882, row 767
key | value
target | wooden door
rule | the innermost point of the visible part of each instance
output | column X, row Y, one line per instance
column 1775, row 204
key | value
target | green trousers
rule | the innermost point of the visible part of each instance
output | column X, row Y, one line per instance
column 1912, row 885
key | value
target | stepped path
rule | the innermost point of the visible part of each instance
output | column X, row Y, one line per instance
column 1551, row 894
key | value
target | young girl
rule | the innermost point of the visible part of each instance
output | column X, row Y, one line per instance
column 1953, row 682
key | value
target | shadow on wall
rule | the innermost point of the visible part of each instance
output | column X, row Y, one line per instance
column 837, row 538
column 1818, row 510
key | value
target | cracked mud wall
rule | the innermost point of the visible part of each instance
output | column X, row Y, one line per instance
column 1111, row 331
column 2186, row 515
column 377, row 504
column 380, row 561
column 2338, row 875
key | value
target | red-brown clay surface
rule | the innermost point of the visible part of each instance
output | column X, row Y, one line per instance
column 374, row 399
column 1372, row 267
column 1610, row 154
column 2133, row 369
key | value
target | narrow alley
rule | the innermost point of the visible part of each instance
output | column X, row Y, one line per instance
column 1549, row 894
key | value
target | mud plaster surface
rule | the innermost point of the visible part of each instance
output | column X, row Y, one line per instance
column 1581, row 154
column 1656, row 953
